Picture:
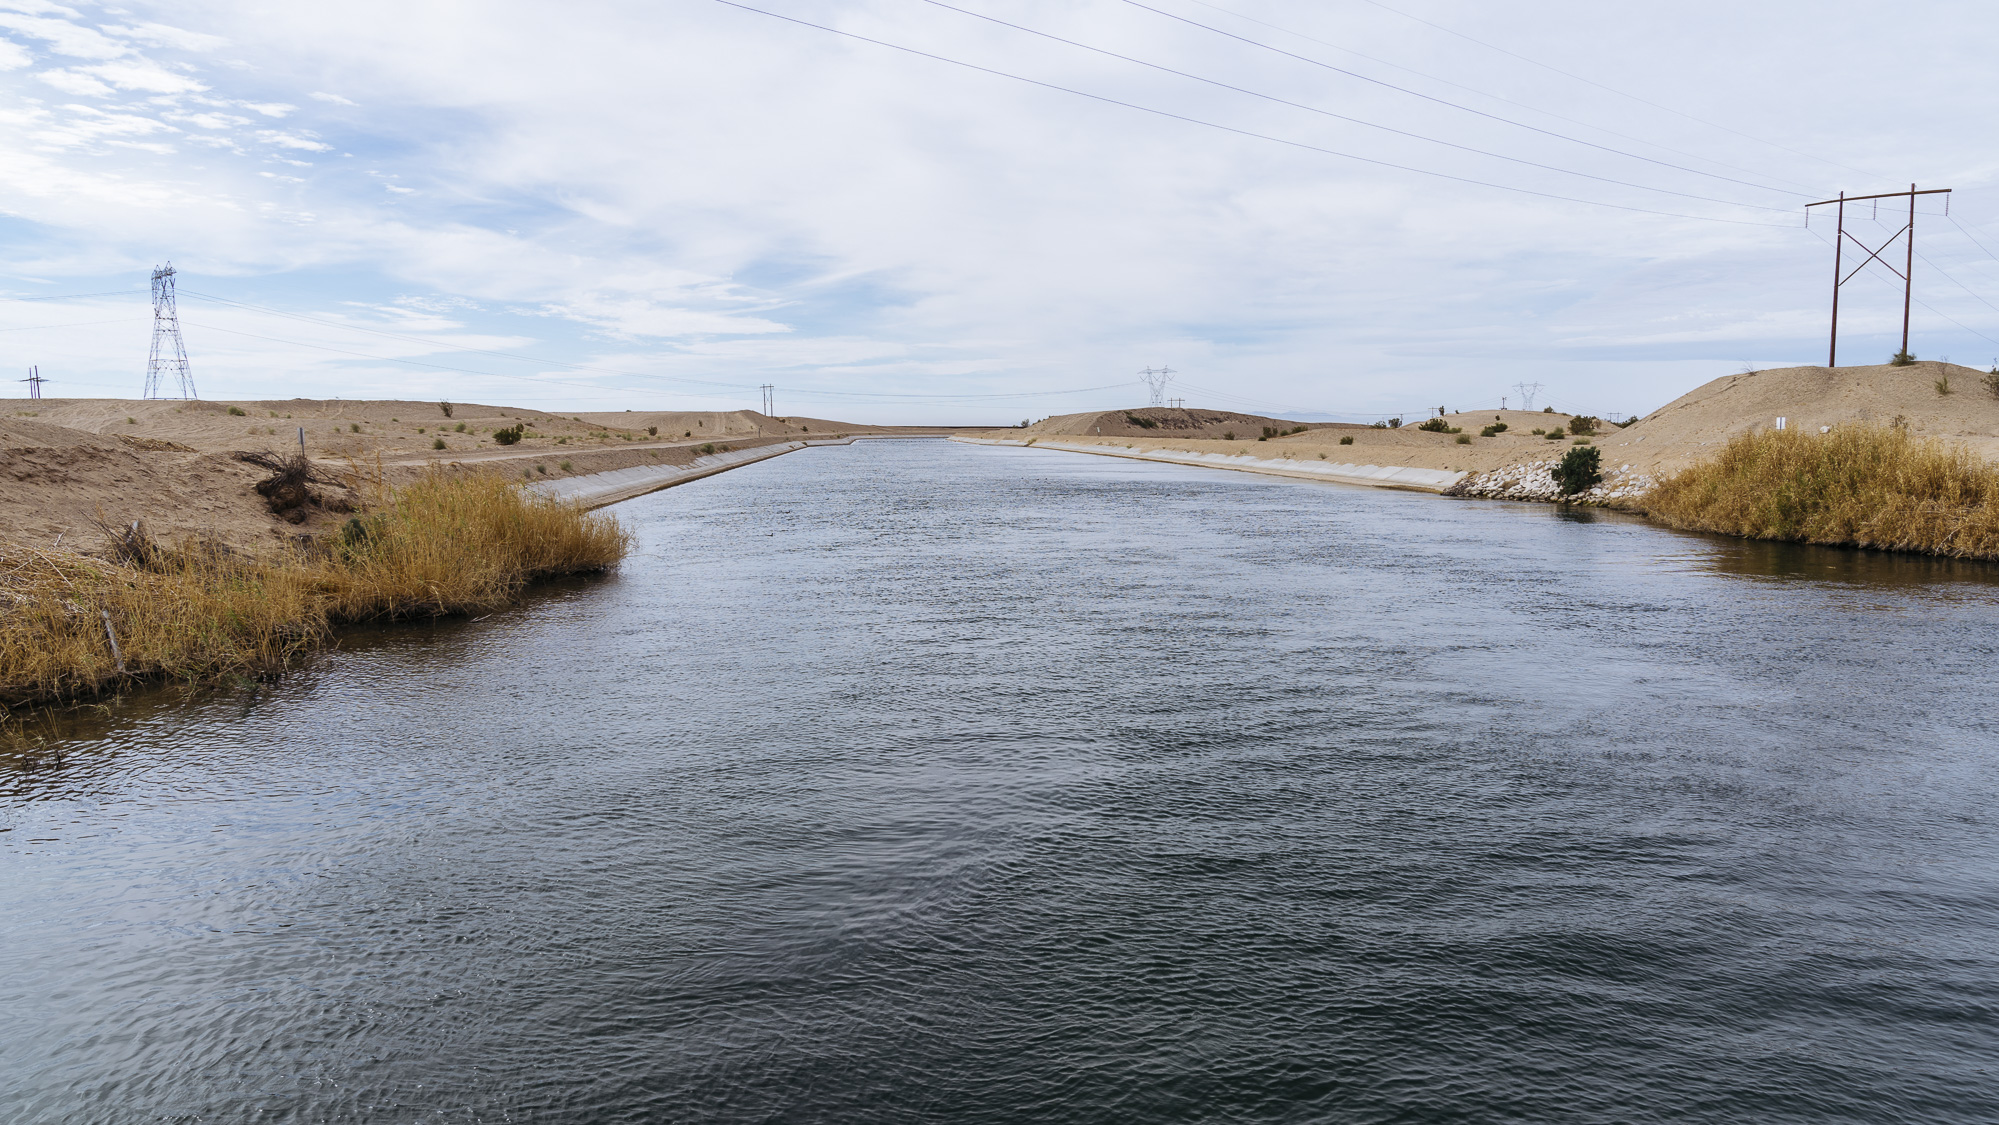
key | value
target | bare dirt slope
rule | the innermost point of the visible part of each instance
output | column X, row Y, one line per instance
column 57, row 482
column 1688, row 429
column 170, row 463
column 1693, row 426
column 1169, row 422
column 1368, row 445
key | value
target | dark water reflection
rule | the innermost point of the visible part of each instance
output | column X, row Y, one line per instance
column 932, row 783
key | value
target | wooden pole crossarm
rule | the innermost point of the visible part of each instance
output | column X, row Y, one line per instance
column 1883, row 195
column 1874, row 255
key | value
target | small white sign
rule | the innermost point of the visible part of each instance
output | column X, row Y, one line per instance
column 1780, row 423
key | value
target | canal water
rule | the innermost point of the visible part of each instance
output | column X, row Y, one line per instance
column 921, row 782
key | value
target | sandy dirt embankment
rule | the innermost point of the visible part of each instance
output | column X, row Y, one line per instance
column 1515, row 463
column 65, row 463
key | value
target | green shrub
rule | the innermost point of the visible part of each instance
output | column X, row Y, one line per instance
column 564, row 466
column 354, row 426
column 511, row 434
column 1435, row 426
column 1348, row 440
column 1555, row 434
column 1141, row 423
column 437, row 443
column 1584, row 424
column 1464, row 439
column 709, row 448
column 237, row 411
column 652, row 431
column 1495, row 428
column 1943, row 385
column 1901, row 359
column 1579, row 470
column 446, row 407
column 460, row 427
column 1228, row 435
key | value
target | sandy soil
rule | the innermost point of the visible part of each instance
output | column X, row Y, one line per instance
column 68, row 462
column 1686, row 430
column 65, row 463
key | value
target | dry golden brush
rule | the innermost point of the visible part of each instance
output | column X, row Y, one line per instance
column 442, row 544
column 449, row 544
column 1866, row 486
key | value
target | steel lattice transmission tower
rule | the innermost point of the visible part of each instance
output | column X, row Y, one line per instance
column 1527, row 393
column 169, row 355
column 1156, row 381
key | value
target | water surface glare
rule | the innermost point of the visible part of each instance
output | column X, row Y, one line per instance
column 918, row 782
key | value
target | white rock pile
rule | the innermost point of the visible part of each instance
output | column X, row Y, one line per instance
column 1620, row 487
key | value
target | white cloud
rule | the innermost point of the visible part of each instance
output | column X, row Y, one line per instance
column 212, row 120
column 160, row 35
column 627, row 317
column 71, row 82
column 66, row 38
column 754, row 197
column 147, row 76
column 13, row 56
column 292, row 141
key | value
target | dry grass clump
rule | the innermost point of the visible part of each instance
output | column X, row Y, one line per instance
column 446, row 544
column 187, row 613
column 1857, row 486
column 72, row 625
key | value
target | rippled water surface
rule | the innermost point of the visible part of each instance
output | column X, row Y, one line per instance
column 931, row 783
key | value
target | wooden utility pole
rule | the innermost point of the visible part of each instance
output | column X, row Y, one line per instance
column 1906, row 273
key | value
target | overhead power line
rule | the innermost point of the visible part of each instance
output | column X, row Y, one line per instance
column 77, row 296
column 1614, row 90
column 1489, row 94
column 1242, row 132
column 803, row 395
column 1974, row 238
column 589, row 369
column 1341, row 116
column 1918, row 300
column 432, row 343
column 71, row 324
column 1454, row 105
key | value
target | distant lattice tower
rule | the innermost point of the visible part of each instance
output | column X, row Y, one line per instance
column 1156, row 381
column 169, row 354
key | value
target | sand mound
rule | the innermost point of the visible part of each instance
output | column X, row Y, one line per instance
column 1169, row 422
column 1697, row 424
column 59, row 481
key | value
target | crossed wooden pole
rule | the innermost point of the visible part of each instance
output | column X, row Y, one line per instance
column 1908, row 269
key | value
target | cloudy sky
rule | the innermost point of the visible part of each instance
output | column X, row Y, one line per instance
column 983, row 210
